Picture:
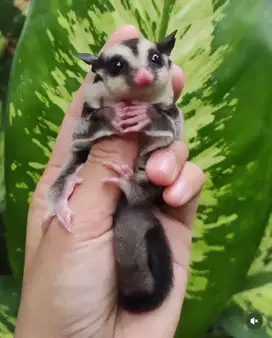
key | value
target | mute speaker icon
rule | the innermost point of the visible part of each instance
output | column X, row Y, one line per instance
column 254, row 320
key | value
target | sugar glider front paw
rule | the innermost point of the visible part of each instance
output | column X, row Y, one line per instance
column 58, row 201
column 135, row 117
column 131, row 118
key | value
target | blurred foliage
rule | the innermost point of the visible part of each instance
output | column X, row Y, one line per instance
column 12, row 17
column 9, row 302
column 256, row 295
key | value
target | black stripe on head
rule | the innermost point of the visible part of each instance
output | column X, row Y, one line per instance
column 155, row 59
column 132, row 44
column 116, row 65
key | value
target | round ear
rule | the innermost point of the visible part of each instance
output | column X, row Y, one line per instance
column 166, row 45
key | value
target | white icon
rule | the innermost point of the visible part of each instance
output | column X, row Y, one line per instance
column 254, row 321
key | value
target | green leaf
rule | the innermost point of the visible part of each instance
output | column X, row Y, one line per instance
column 12, row 17
column 2, row 182
column 2, row 185
column 218, row 335
column 263, row 255
column 256, row 295
column 226, row 56
column 235, row 316
column 4, row 261
column 233, row 146
column 9, row 304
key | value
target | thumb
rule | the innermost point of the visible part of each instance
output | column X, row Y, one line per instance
column 94, row 202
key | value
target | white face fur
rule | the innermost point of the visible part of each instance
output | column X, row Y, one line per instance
column 136, row 55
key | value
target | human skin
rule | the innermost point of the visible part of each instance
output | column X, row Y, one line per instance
column 69, row 285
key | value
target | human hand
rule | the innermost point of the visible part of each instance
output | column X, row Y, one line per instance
column 69, row 287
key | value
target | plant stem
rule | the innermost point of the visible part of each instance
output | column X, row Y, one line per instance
column 167, row 9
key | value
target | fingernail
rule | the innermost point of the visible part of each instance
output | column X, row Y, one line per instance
column 167, row 162
column 180, row 191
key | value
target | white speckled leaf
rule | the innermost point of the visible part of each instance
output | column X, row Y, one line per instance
column 256, row 295
column 228, row 129
column 259, row 299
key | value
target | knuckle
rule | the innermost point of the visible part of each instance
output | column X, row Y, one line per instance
column 197, row 172
column 185, row 150
column 181, row 149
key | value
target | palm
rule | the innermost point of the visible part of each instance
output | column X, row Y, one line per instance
column 87, row 276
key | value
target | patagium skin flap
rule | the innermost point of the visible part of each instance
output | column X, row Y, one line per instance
column 131, row 92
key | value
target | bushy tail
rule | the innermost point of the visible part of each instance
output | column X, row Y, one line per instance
column 160, row 264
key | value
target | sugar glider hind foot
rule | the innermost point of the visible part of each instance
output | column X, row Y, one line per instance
column 124, row 172
column 58, row 201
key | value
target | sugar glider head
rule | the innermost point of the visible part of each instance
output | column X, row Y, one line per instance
column 135, row 68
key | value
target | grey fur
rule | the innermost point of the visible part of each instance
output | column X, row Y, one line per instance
column 133, row 44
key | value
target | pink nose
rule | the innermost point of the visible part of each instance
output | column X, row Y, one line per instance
column 143, row 77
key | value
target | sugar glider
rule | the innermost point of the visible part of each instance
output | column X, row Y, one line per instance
column 132, row 92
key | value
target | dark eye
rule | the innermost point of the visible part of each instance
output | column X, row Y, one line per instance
column 115, row 66
column 156, row 59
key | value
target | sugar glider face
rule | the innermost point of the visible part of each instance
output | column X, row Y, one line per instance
column 135, row 68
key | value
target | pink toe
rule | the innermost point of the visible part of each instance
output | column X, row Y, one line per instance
column 112, row 180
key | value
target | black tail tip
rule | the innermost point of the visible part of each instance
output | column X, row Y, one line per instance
column 140, row 303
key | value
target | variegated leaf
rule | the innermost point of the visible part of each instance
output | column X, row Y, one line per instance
column 12, row 16
column 226, row 57
column 255, row 296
